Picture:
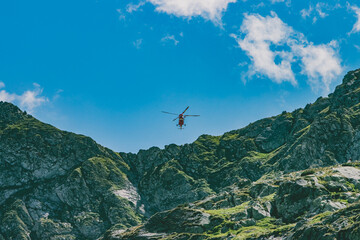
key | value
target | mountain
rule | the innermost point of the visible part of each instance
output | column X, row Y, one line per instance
column 59, row 185
column 283, row 177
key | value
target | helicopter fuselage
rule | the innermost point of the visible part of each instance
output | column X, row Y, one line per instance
column 181, row 121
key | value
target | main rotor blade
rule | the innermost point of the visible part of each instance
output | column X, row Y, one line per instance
column 185, row 110
column 169, row 113
column 175, row 118
column 191, row 115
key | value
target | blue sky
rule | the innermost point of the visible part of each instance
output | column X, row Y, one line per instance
column 106, row 69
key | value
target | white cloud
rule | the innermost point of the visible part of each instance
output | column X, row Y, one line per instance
column 274, row 47
column 121, row 15
column 2, row 85
column 137, row 44
column 7, row 97
column 57, row 94
column 131, row 7
column 356, row 27
column 306, row 12
column 170, row 38
column 320, row 63
column 277, row 1
column 209, row 9
column 29, row 100
column 261, row 33
column 287, row 2
column 319, row 10
column 32, row 99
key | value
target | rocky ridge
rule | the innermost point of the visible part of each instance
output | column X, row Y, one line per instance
column 283, row 177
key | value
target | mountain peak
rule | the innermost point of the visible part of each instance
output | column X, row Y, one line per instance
column 10, row 113
column 350, row 84
column 351, row 76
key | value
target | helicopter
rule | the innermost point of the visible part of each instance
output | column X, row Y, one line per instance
column 181, row 117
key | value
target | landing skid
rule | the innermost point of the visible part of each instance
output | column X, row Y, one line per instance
column 181, row 128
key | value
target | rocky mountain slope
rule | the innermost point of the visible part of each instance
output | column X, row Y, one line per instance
column 322, row 134
column 320, row 203
column 283, row 177
column 59, row 185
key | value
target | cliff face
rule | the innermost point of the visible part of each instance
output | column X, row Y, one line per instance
column 281, row 177
column 56, row 184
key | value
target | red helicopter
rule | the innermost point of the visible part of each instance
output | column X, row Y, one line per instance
column 181, row 117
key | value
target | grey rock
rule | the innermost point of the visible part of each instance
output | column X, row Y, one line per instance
column 257, row 211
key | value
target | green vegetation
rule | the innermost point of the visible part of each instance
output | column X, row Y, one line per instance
column 264, row 227
column 308, row 172
column 229, row 211
column 268, row 198
column 207, row 141
column 102, row 173
column 325, row 110
column 318, row 218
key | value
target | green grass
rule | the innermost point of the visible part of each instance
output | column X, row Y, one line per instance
column 228, row 136
column 308, row 172
column 229, row 211
column 207, row 140
column 268, row 198
column 102, row 174
column 302, row 131
column 264, row 227
column 318, row 218
column 325, row 110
